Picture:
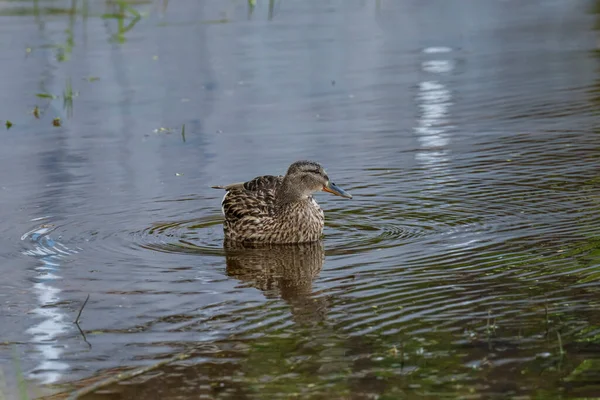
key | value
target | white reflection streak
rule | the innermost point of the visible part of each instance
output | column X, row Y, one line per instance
column 434, row 100
column 54, row 322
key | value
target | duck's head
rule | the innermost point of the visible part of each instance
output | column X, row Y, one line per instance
column 303, row 178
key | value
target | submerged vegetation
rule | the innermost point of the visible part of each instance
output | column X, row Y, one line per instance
column 126, row 13
column 19, row 390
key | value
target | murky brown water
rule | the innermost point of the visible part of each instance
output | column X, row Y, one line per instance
column 466, row 265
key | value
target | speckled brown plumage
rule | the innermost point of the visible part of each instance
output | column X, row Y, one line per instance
column 252, row 214
column 277, row 209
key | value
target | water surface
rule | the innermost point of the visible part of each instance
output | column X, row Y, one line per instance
column 466, row 265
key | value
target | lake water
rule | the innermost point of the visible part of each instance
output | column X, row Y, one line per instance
column 466, row 265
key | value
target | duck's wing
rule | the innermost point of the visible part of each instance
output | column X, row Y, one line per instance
column 268, row 183
column 255, row 198
column 265, row 182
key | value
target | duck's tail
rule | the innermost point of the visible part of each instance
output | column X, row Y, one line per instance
column 238, row 185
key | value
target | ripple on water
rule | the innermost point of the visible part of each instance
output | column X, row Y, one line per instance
column 342, row 235
column 199, row 235
column 467, row 246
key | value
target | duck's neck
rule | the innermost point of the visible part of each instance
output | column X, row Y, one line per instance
column 288, row 193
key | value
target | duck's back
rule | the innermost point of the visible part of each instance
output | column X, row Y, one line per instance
column 255, row 198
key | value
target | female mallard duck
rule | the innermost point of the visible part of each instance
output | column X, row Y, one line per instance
column 278, row 209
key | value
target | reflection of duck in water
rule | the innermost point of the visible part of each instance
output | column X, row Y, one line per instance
column 278, row 209
column 281, row 270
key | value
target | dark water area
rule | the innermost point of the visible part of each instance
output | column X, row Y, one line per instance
column 467, row 265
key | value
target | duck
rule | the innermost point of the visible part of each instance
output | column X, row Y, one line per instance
column 278, row 209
